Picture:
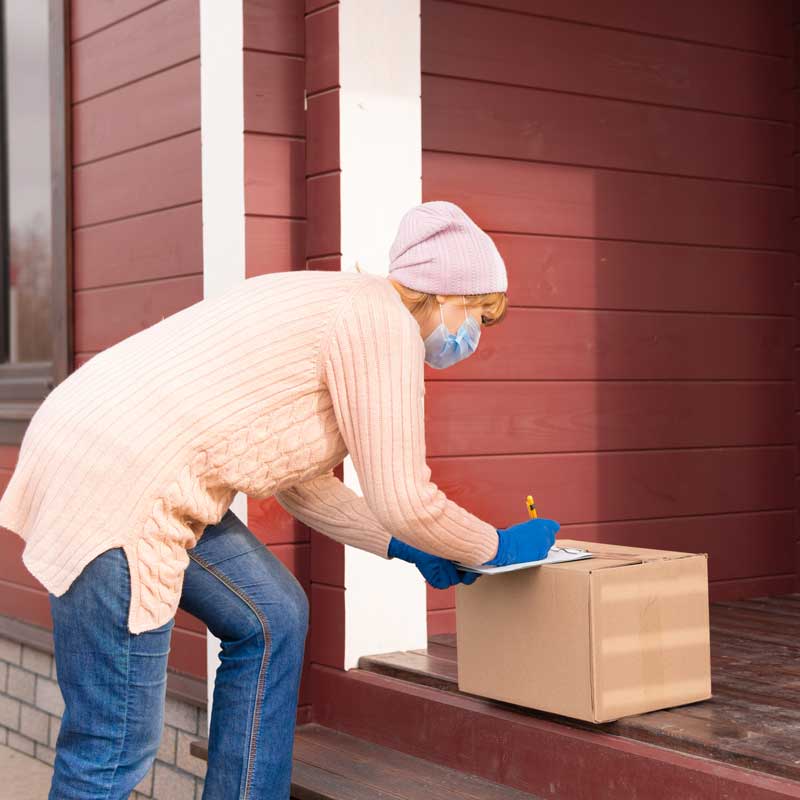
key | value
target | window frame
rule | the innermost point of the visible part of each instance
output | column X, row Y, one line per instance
column 24, row 386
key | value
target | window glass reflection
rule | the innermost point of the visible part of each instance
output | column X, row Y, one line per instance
column 27, row 115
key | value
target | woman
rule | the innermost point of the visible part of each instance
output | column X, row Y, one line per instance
column 127, row 471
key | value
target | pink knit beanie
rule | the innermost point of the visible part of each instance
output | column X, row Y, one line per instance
column 440, row 250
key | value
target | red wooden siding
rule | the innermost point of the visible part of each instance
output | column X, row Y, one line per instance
column 634, row 164
column 323, row 252
column 796, row 285
column 275, row 214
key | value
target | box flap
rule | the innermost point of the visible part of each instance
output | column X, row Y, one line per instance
column 605, row 556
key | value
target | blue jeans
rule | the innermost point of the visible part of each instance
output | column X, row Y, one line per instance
column 114, row 682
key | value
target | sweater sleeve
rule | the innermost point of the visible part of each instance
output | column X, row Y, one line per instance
column 325, row 504
column 372, row 363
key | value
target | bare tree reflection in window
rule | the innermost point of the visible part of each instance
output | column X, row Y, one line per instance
column 29, row 212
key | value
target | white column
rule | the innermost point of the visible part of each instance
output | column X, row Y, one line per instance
column 222, row 147
column 381, row 178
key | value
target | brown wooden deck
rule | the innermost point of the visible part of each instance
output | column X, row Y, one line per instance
column 329, row 765
column 752, row 720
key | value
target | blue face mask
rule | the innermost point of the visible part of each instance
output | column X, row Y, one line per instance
column 443, row 349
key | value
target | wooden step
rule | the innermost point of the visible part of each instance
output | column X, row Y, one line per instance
column 330, row 765
column 522, row 748
column 752, row 720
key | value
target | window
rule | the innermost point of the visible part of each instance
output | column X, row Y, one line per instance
column 35, row 225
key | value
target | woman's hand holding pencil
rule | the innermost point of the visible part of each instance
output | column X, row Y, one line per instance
column 530, row 540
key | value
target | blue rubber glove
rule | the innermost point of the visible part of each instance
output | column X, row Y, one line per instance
column 438, row 572
column 526, row 541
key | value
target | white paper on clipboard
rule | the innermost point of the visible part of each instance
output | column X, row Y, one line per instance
column 555, row 556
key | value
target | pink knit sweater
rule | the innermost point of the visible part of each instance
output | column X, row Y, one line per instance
column 263, row 390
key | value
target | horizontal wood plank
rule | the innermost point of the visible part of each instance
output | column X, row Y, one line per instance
column 296, row 558
column 272, row 524
column 89, row 16
column 324, row 234
column 581, row 490
column 186, row 620
column 274, row 176
column 273, row 94
column 106, row 316
column 147, row 179
column 156, row 38
column 742, row 25
column 322, row 133
column 25, row 603
column 123, row 119
column 327, row 560
column 187, row 653
column 149, row 247
column 8, row 456
column 440, row 598
column 506, row 195
column 273, row 244
column 562, row 272
column 440, row 620
column 322, row 50
column 327, row 625
column 330, row 765
column 378, row 768
column 276, row 25
column 465, row 418
column 757, row 586
column 488, row 119
column 574, row 345
column 586, row 59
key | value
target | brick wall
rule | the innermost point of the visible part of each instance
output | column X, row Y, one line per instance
column 31, row 708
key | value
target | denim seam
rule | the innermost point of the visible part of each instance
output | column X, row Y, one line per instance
column 236, row 555
column 265, row 661
column 127, row 699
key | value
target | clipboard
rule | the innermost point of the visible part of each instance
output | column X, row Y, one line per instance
column 557, row 555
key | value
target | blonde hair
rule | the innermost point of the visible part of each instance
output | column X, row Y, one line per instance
column 497, row 302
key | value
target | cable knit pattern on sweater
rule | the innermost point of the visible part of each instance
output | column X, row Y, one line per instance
column 262, row 389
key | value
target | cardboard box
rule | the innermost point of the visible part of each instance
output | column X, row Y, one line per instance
column 621, row 633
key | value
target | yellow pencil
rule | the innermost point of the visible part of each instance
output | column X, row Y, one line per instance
column 531, row 507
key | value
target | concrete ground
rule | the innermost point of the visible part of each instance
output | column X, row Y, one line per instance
column 23, row 777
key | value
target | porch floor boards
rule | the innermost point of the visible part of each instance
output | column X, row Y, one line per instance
column 330, row 765
column 752, row 720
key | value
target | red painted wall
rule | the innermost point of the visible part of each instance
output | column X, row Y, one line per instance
column 796, row 231
column 323, row 251
column 634, row 163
